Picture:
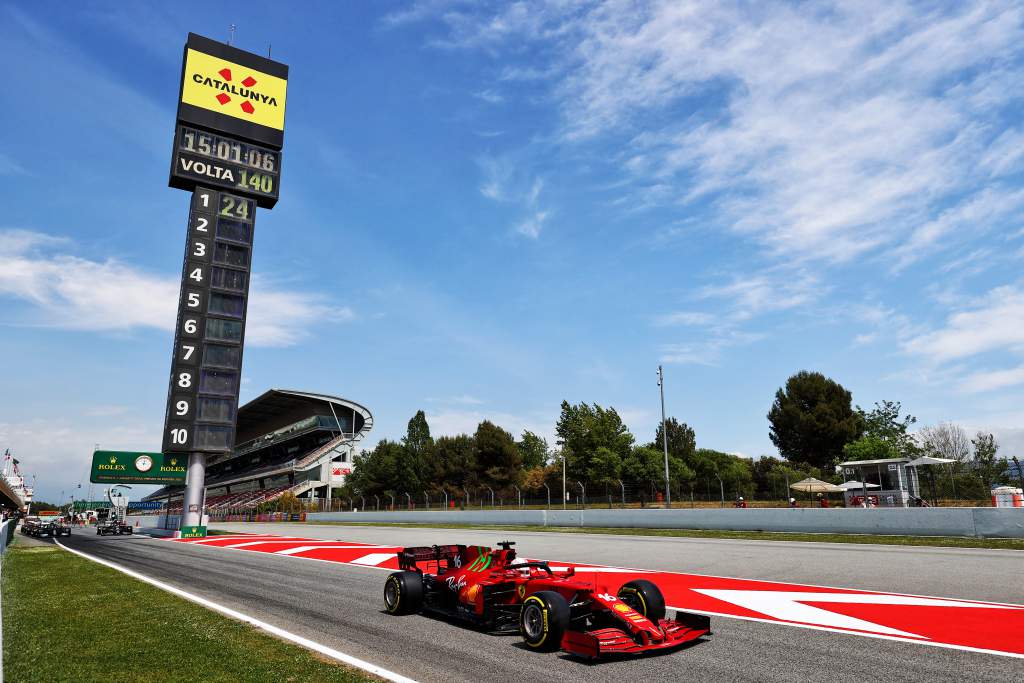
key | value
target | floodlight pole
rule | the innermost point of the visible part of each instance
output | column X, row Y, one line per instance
column 664, row 436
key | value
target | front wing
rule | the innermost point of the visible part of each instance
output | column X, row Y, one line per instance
column 683, row 629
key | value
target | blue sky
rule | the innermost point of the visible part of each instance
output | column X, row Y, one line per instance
column 487, row 209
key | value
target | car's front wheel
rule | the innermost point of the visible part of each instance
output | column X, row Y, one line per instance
column 403, row 593
column 543, row 620
column 645, row 597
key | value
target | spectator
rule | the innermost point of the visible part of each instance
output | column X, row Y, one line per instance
column 792, row 503
column 740, row 503
column 822, row 501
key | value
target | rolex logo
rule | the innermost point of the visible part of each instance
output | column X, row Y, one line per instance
column 113, row 460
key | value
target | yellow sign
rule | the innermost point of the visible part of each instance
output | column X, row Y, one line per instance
column 238, row 91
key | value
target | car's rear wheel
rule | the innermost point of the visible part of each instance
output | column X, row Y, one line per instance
column 543, row 620
column 403, row 593
column 645, row 597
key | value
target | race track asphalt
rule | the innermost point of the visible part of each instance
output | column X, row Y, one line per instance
column 340, row 605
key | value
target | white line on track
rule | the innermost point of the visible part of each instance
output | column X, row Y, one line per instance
column 269, row 628
column 864, row 634
column 304, row 548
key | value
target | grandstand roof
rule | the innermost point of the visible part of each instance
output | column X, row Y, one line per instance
column 277, row 405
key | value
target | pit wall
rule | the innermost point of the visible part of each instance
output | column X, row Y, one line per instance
column 979, row 522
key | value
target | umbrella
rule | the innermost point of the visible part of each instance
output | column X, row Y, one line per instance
column 851, row 485
column 812, row 485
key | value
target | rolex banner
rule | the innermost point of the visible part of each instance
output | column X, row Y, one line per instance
column 130, row 467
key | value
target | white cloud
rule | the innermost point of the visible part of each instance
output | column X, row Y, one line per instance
column 757, row 293
column 71, row 292
column 748, row 297
column 685, row 318
column 991, row 380
column 532, row 226
column 58, row 450
column 995, row 322
column 504, row 180
column 707, row 349
column 490, row 96
column 9, row 166
column 824, row 131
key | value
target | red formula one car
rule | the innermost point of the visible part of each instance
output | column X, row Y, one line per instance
column 551, row 610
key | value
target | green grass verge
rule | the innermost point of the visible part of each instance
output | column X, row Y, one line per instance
column 933, row 541
column 68, row 619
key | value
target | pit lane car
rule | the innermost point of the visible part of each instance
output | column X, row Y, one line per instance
column 549, row 609
column 113, row 527
column 33, row 526
column 60, row 527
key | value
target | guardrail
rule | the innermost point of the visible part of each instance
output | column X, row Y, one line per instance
column 976, row 522
column 6, row 534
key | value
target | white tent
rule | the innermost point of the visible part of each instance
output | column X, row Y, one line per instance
column 854, row 485
column 929, row 460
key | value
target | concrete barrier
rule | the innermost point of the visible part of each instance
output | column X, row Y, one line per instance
column 6, row 534
column 983, row 522
column 996, row 523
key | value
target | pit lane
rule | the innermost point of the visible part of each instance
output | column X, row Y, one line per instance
column 340, row 605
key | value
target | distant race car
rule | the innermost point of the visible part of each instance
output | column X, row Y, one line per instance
column 112, row 527
column 550, row 610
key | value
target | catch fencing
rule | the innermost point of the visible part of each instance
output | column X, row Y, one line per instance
column 975, row 522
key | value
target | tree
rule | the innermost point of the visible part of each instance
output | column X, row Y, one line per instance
column 533, row 450
column 869, row 448
column 884, row 422
column 760, row 470
column 499, row 464
column 989, row 468
column 735, row 472
column 812, row 419
column 682, row 442
column 643, row 464
column 583, row 429
column 945, row 440
column 375, row 472
column 417, row 435
column 454, row 463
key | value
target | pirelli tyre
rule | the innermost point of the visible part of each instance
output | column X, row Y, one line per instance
column 645, row 597
column 543, row 620
column 403, row 593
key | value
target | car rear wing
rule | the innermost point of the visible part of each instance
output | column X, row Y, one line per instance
column 409, row 559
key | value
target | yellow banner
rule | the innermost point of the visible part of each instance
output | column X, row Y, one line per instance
column 234, row 90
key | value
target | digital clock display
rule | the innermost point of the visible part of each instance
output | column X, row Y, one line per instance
column 202, row 158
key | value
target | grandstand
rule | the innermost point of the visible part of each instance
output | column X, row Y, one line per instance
column 285, row 441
